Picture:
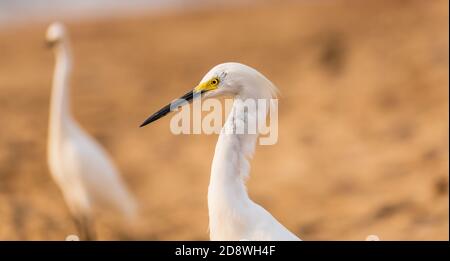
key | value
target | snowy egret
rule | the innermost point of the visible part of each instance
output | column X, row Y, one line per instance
column 232, row 214
column 79, row 165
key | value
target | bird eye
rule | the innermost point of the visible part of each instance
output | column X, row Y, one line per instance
column 214, row 81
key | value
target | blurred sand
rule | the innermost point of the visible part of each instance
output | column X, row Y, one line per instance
column 363, row 145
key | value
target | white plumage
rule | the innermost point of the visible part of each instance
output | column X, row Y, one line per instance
column 86, row 175
column 232, row 214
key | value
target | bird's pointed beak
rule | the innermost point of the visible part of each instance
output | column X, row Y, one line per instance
column 188, row 97
column 49, row 44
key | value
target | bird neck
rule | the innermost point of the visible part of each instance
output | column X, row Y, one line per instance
column 60, row 103
column 227, row 193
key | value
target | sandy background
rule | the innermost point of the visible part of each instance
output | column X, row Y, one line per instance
column 363, row 138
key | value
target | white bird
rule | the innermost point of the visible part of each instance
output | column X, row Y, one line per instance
column 232, row 214
column 80, row 166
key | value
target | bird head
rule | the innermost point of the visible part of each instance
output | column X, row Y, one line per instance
column 233, row 79
column 56, row 33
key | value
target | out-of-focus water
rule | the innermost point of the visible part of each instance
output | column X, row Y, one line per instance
column 26, row 11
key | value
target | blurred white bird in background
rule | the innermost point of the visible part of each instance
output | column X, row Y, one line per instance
column 87, row 177
column 232, row 214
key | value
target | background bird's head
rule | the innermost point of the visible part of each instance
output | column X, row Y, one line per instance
column 56, row 33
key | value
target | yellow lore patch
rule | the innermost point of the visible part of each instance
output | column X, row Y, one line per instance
column 208, row 85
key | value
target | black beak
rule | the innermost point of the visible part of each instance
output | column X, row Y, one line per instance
column 188, row 97
column 49, row 44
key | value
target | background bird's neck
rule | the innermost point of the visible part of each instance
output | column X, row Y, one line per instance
column 60, row 103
